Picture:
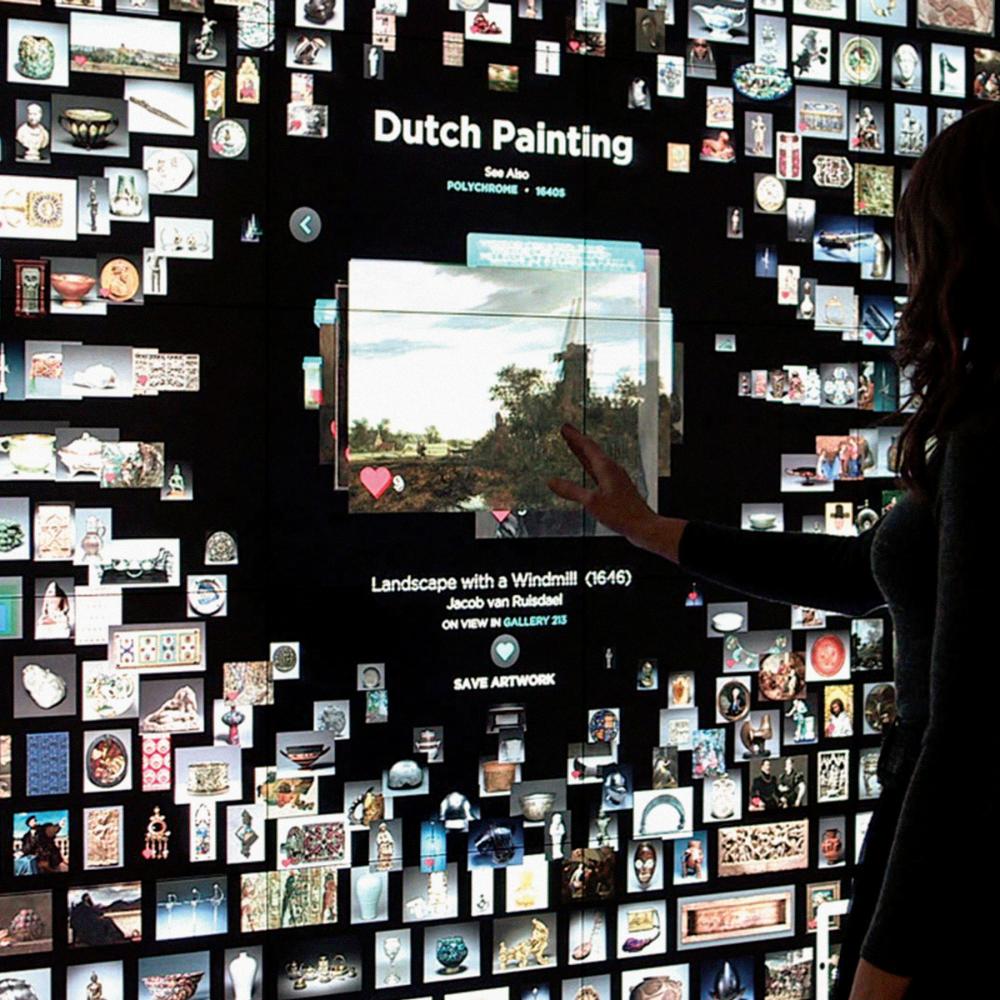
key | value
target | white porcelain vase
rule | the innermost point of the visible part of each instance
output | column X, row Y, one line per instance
column 242, row 973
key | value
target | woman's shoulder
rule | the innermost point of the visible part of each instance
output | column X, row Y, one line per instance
column 981, row 418
column 965, row 448
column 977, row 426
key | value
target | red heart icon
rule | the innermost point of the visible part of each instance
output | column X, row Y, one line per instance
column 501, row 515
column 376, row 481
column 347, row 453
column 333, row 428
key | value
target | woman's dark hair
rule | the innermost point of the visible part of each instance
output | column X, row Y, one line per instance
column 948, row 223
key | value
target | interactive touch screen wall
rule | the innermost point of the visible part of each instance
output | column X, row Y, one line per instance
column 310, row 684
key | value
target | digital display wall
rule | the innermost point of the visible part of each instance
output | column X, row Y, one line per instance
column 312, row 686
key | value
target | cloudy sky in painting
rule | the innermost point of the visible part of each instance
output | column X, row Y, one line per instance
column 426, row 340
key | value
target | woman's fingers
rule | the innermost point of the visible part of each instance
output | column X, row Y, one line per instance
column 571, row 437
column 570, row 491
column 586, row 449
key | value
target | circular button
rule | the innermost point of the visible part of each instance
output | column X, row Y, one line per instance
column 305, row 224
column 505, row 650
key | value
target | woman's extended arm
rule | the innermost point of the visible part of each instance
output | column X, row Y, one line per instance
column 819, row 571
column 828, row 572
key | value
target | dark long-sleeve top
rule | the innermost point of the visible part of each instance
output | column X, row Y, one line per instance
column 933, row 563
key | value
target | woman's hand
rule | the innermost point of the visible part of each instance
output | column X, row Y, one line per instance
column 615, row 501
column 873, row 983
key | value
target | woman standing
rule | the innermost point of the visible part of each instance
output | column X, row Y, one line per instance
column 932, row 559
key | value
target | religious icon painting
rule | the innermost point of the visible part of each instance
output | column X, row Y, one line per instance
column 838, row 710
